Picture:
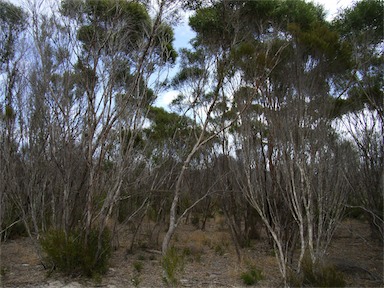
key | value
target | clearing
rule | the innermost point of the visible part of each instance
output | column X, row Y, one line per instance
column 210, row 261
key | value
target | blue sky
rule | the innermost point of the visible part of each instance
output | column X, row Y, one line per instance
column 183, row 34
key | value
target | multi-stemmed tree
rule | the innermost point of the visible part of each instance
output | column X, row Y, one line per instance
column 84, row 107
column 360, row 105
column 290, row 165
column 13, row 22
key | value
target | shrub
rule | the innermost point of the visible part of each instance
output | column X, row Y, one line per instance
column 192, row 253
column 172, row 264
column 219, row 250
column 316, row 275
column 252, row 276
column 3, row 273
column 138, row 266
column 73, row 256
column 141, row 257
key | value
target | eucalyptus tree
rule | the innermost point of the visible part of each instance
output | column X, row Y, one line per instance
column 205, row 80
column 284, row 58
column 91, row 65
column 359, row 106
column 13, row 21
column 299, row 152
column 53, row 124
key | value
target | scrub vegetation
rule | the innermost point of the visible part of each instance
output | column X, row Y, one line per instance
column 276, row 132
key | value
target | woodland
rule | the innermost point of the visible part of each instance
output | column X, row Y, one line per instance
column 278, row 126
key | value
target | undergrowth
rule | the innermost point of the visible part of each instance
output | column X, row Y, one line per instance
column 316, row 275
column 251, row 276
column 173, row 264
column 75, row 255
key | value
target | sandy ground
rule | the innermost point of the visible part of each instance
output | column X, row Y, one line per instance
column 211, row 261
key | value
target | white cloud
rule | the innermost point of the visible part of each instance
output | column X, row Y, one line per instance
column 333, row 7
column 166, row 98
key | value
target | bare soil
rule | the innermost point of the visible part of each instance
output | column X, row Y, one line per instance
column 210, row 261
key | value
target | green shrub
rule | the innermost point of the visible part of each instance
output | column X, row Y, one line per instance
column 187, row 251
column 251, row 276
column 138, row 266
column 316, row 275
column 141, row 257
column 219, row 250
column 172, row 264
column 73, row 256
column 3, row 273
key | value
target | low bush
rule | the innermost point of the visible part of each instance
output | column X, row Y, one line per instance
column 3, row 273
column 192, row 253
column 251, row 276
column 316, row 275
column 74, row 255
column 138, row 266
column 219, row 249
column 172, row 264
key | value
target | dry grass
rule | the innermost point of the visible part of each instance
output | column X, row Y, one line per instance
column 352, row 250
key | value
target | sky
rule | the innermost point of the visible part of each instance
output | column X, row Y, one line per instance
column 183, row 34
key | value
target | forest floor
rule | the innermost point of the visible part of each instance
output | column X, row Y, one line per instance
column 210, row 261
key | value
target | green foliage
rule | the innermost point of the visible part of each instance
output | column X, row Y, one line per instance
column 364, row 17
column 141, row 257
column 76, row 255
column 214, row 25
column 187, row 251
column 166, row 124
column 106, row 10
column 163, row 40
column 172, row 264
column 320, row 42
column 219, row 249
column 138, row 266
column 258, row 11
column 303, row 13
column 316, row 275
column 187, row 74
column 251, row 276
column 12, row 15
column 84, row 77
column 108, row 19
column 3, row 271
column 13, row 20
column 208, row 23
